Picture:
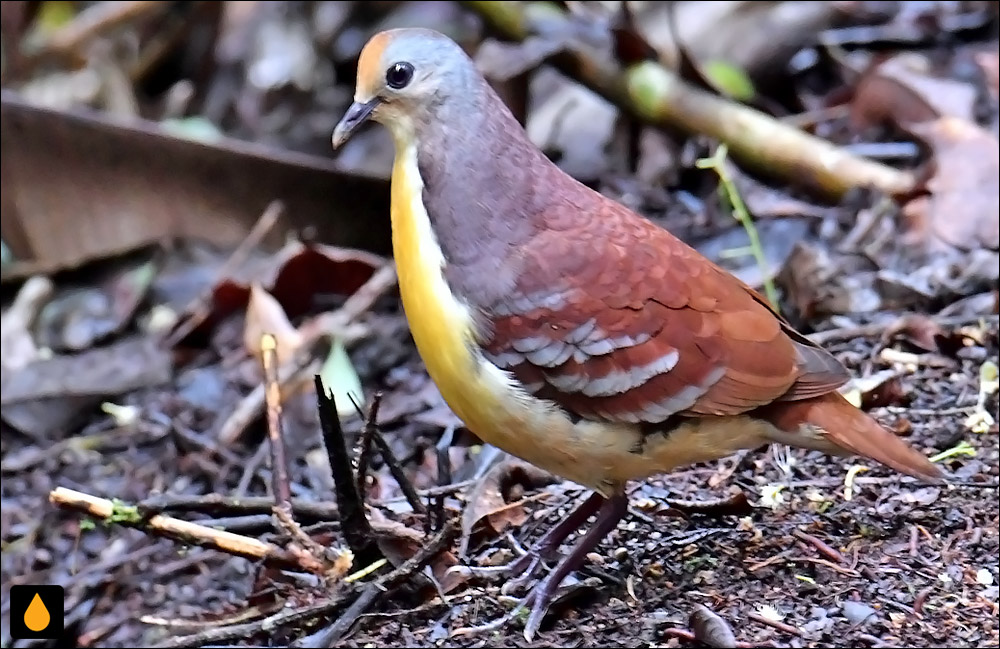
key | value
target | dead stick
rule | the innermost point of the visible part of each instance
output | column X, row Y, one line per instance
column 396, row 469
column 281, row 485
column 831, row 553
column 217, row 504
column 877, row 329
column 350, row 507
column 174, row 528
column 659, row 97
column 199, row 308
column 334, row 323
column 775, row 624
column 365, row 445
column 272, row 395
column 93, row 22
column 249, row 629
column 329, row 636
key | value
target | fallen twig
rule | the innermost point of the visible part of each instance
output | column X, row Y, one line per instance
column 396, row 469
column 367, row 595
column 219, row 505
column 659, row 97
column 775, row 624
column 878, row 328
column 444, row 473
column 365, row 444
column 305, row 361
column 831, row 553
column 70, row 39
column 330, row 635
column 200, row 308
column 174, row 528
column 316, row 559
column 249, row 629
column 782, row 557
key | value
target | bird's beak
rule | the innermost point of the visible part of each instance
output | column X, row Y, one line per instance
column 357, row 114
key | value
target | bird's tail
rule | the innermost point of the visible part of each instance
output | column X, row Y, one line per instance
column 832, row 424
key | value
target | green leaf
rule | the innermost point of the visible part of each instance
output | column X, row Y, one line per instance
column 198, row 129
column 730, row 79
column 340, row 377
column 54, row 14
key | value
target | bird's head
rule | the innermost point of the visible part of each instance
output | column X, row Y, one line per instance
column 406, row 78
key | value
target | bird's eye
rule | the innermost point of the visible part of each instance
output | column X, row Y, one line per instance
column 399, row 75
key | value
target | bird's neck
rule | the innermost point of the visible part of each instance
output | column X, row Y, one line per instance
column 484, row 186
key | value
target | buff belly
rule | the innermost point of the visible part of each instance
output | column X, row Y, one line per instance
column 599, row 455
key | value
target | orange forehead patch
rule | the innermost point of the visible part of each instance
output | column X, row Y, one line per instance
column 370, row 66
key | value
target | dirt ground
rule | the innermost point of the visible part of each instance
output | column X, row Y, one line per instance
column 910, row 573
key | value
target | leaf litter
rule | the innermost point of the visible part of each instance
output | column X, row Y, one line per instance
column 140, row 378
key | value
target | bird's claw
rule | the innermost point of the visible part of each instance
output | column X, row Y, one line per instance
column 521, row 571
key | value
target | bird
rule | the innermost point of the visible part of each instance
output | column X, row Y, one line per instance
column 566, row 329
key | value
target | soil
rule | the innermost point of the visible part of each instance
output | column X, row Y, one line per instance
column 902, row 565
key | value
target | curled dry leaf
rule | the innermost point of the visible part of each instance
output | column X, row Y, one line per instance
column 876, row 391
column 961, row 209
column 399, row 543
column 489, row 502
column 925, row 333
column 900, row 90
column 17, row 344
column 265, row 316
column 300, row 278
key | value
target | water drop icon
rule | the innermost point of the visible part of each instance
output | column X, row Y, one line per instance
column 36, row 617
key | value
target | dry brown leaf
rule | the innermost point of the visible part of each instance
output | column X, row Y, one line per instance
column 77, row 186
column 17, row 344
column 489, row 502
column 265, row 316
column 925, row 333
column 400, row 543
column 901, row 90
column 961, row 210
column 300, row 277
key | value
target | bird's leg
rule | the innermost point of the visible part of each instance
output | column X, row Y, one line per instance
column 524, row 566
column 612, row 510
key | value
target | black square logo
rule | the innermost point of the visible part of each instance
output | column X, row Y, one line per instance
column 37, row 612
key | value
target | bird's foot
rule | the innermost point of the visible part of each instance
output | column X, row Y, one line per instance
column 538, row 600
column 520, row 570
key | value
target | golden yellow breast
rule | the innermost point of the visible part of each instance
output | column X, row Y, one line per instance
column 442, row 327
